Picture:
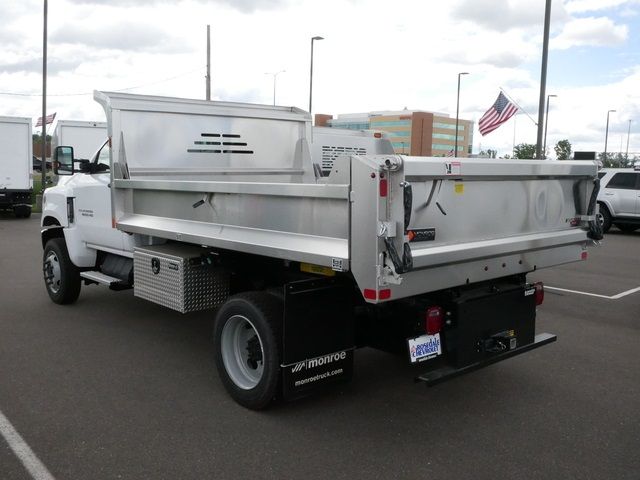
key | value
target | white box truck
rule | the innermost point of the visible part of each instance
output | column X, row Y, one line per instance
column 16, row 176
column 84, row 136
column 309, row 251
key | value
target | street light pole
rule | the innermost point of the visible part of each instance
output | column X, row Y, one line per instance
column 543, row 75
column 44, row 97
column 606, row 136
column 208, row 76
column 275, row 74
column 455, row 152
column 311, row 75
column 546, row 120
column 626, row 155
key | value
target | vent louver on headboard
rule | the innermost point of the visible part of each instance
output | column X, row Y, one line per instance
column 222, row 143
column 331, row 152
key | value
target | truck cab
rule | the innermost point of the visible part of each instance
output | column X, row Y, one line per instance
column 80, row 207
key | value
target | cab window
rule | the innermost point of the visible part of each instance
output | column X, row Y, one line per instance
column 624, row 180
column 102, row 158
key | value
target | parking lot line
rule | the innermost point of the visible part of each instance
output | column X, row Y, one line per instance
column 608, row 297
column 32, row 463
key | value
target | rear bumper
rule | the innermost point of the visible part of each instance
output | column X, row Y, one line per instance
column 14, row 198
column 433, row 377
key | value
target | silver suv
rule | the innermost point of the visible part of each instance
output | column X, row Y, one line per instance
column 619, row 198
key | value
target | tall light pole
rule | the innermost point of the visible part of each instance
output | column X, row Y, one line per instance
column 44, row 97
column 543, row 75
column 455, row 152
column 208, row 76
column 606, row 136
column 313, row 39
column 626, row 155
column 546, row 120
column 275, row 74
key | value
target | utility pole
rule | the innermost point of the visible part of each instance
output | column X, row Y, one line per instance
column 208, row 77
column 44, row 98
column 543, row 76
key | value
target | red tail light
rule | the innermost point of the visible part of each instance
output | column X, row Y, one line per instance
column 433, row 320
column 539, row 286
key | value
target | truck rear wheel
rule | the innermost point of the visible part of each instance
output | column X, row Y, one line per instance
column 248, row 336
column 61, row 276
column 22, row 211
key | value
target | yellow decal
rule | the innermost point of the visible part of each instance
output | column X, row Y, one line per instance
column 318, row 269
column 459, row 188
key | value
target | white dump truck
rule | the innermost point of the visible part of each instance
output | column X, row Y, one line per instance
column 309, row 244
column 16, row 174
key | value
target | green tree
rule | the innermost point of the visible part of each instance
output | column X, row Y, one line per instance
column 37, row 138
column 563, row 150
column 615, row 160
column 524, row 151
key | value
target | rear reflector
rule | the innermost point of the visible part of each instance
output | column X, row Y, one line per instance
column 377, row 135
column 539, row 286
column 385, row 294
column 383, row 187
column 433, row 320
column 371, row 294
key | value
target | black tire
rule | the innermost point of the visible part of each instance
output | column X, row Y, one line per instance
column 61, row 276
column 22, row 211
column 605, row 218
column 627, row 227
column 253, row 382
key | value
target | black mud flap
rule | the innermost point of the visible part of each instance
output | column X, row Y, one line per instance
column 318, row 335
column 438, row 375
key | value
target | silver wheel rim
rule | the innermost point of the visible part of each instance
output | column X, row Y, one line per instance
column 242, row 352
column 52, row 273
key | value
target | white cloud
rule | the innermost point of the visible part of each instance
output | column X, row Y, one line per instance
column 503, row 15
column 590, row 31
column 582, row 6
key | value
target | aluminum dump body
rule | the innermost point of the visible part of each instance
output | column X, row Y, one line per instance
column 243, row 177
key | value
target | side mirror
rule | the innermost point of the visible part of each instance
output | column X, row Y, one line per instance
column 63, row 161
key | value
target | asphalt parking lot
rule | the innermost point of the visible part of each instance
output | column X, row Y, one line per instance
column 114, row 387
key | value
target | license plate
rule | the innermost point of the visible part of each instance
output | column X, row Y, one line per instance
column 424, row 347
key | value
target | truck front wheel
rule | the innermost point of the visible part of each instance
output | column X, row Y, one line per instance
column 61, row 276
column 248, row 336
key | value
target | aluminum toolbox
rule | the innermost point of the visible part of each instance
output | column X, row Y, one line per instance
column 179, row 277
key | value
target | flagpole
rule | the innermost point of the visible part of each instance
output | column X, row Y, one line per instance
column 515, row 121
column 517, row 105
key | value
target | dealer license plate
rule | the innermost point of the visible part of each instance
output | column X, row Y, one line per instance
column 424, row 347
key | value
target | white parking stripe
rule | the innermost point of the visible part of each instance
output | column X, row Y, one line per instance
column 608, row 297
column 33, row 465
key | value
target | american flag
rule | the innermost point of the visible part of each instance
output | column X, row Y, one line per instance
column 450, row 153
column 48, row 119
column 501, row 111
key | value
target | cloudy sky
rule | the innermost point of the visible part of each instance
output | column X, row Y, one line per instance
column 377, row 55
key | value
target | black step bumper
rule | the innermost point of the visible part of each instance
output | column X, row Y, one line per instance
column 433, row 377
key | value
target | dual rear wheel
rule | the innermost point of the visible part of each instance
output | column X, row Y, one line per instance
column 248, row 345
